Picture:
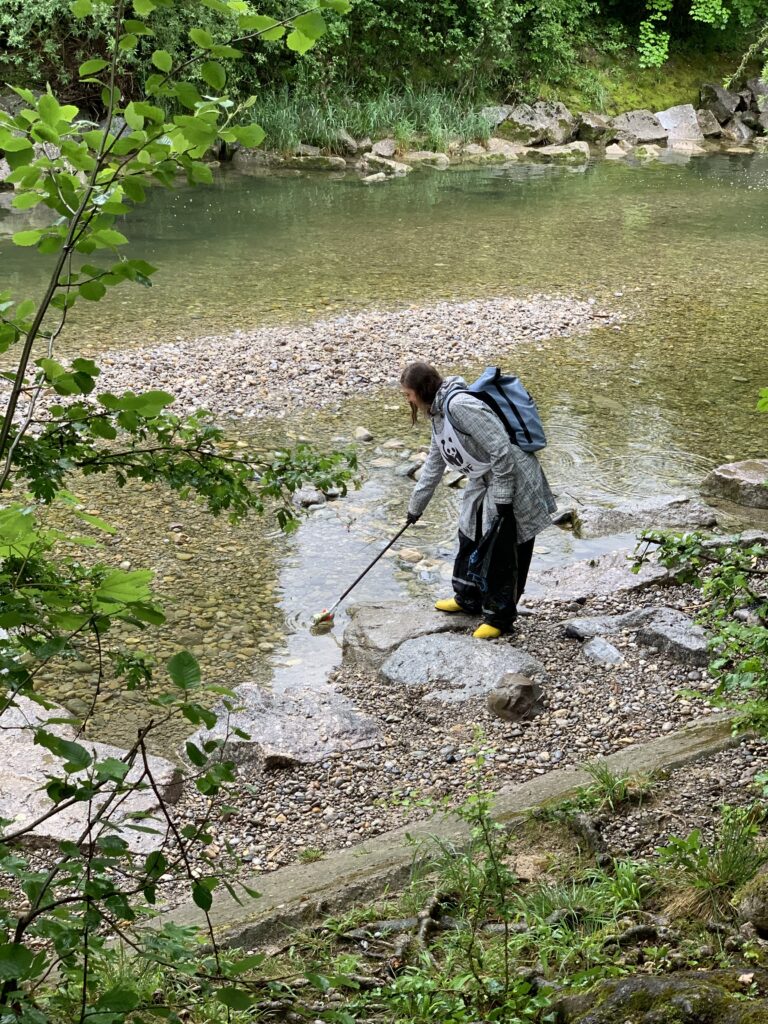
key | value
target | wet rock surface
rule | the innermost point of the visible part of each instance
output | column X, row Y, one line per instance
column 741, row 482
column 377, row 629
column 675, row 635
column 455, row 668
column 662, row 512
column 26, row 767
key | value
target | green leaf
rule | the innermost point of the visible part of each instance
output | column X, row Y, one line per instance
column 121, row 587
column 143, row 7
column 81, row 8
column 96, row 522
column 201, row 38
column 340, row 6
column 162, row 60
column 311, row 25
column 27, row 238
column 92, row 67
column 217, row 5
column 133, row 119
column 235, row 998
column 250, row 135
column 49, row 110
column 184, row 670
column 214, row 74
column 13, row 143
column 26, row 200
column 120, row 999
column 187, row 94
column 195, row 755
column 108, row 238
column 298, row 42
column 92, row 290
column 76, row 758
column 129, row 41
column 138, row 28
column 267, row 28
column 111, row 770
column 201, row 896
column 15, row 961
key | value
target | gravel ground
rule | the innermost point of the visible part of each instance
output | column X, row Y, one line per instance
column 429, row 748
column 276, row 370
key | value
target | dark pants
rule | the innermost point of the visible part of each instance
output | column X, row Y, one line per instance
column 505, row 580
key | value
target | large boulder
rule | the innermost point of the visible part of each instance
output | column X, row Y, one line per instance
column 456, row 668
column 316, row 163
column 735, row 130
column 295, row 727
column 426, row 158
column 495, row 115
column 662, row 512
column 741, row 482
column 720, row 101
column 676, row 636
column 638, row 126
column 686, row 997
column 708, row 123
column 346, row 143
column 593, row 128
column 558, row 122
column 681, row 124
column 572, row 153
column 595, row 577
column 377, row 629
column 522, row 125
column 26, row 767
column 384, row 147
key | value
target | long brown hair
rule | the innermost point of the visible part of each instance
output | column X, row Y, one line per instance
column 425, row 380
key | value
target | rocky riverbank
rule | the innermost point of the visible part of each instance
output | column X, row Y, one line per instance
column 272, row 371
column 427, row 746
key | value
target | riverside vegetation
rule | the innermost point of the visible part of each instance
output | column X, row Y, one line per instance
column 486, row 943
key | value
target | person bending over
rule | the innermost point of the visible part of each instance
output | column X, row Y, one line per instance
column 506, row 487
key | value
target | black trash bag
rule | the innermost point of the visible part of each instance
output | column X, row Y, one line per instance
column 481, row 559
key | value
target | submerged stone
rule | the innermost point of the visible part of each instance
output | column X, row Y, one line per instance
column 595, row 577
column 661, row 512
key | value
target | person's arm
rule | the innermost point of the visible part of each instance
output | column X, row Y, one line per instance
column 486, row 430
column 431, row 475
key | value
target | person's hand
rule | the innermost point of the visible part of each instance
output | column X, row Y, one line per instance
column 412, row 517
column 505, row 510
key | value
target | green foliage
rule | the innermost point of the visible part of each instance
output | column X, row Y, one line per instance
column 701, row 880
column 58, row 946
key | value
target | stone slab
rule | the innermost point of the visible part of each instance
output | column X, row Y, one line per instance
column 26, row 766
column 296, row 727
column 299, row 894
column 587, row 627
column 376, row 629
column 681, row 123
column 741, row 482
column 596, row 577
column 661, row 512
column 676, row 636
column 453, row 668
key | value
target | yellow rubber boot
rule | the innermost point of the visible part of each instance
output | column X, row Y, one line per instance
column 448, row 604
column 486, row 632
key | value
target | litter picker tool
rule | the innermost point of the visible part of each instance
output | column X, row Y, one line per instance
column 325, row 617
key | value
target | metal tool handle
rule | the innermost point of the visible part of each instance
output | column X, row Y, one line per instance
column 365, row 572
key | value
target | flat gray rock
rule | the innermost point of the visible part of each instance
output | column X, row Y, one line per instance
column 676, row 636
column 662, row 512
column 297, row 727
column 600, row 652
column 637, row 126
column 586, row 627
column 596, row 577
column 741, row 482
column 27, row 765
column 376, row 629
column 681, row 123
column 456, row 668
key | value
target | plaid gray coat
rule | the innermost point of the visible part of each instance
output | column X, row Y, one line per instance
column 515, row 477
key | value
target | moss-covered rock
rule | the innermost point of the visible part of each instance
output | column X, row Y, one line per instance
column 752, row 901
column 691, row 997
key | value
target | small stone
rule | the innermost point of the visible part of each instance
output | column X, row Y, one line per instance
column 363, row 434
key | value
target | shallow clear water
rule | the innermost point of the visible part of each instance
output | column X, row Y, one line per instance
column 679, row 247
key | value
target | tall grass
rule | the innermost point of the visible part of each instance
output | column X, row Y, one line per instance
column 428, row 118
